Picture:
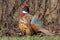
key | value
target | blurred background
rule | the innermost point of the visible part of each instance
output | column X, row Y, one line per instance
column 47, row 10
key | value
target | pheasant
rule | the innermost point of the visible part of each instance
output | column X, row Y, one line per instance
column 29, row 24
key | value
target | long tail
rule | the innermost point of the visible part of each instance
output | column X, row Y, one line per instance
column 46, row 32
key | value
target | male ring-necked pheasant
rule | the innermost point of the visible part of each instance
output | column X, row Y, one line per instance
column 29, row 24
